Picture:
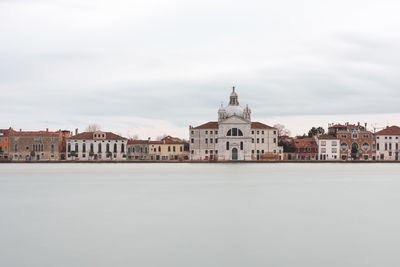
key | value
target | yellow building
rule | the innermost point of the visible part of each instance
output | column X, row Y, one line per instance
column 169, row 148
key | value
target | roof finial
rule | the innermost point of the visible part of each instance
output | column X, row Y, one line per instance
column 233, row 88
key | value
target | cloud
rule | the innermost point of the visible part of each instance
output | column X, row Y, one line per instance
column 174, row 62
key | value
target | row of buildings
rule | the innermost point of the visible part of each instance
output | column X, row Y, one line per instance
column 233, row 136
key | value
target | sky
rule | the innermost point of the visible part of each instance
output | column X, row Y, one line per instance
column 150, row 68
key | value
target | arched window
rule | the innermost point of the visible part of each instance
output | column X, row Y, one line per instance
column 227, row 145
column 52, row 148
column 122, row 148
column 159, row 149
column 69, row 147
column 84, row 148
column 76, row 147
column 107, row 148
column 99, row 148
column 169, row 148
column 91, row 148
column 234, row 132
column 115, row 148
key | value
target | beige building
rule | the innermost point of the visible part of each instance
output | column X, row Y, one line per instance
column 168, row 148
column 36, row 145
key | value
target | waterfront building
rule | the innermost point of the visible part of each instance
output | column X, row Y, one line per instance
column 168, row 148
column 306, row 148
column 98, row 145
column 4, row 143
column 234, row 136
column 35, row 145
column 387, row 143
column 138, row 149
column 356, row 142
column 328, row 147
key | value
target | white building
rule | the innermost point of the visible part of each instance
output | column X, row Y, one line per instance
column 328, row 147
column 96, row 146
column 387, row 143
column 234, row 136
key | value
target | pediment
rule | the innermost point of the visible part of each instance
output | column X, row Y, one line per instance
column 235, row 120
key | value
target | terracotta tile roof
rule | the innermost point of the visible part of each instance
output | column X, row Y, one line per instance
column 135, row 142
column 13, row 133
column 5, row 131
column 172, row 140
column 259, row 125
column 305, row 142
column 326, row 137
column 392, row 130
column 168, row 140
column 89, row 136
column 208, row 125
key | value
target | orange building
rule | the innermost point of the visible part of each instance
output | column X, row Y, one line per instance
column 4, row 143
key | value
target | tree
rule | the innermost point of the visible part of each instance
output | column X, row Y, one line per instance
column 93, row 127
column 315, row 131
column 282, row 131
column 159, row 138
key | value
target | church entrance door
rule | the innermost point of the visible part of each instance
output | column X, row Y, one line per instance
column 234, row 153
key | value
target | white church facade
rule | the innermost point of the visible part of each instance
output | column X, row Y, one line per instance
column 234, row 136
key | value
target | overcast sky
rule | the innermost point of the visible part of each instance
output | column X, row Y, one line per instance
column 155, row 67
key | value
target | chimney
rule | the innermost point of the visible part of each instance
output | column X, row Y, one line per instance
column 76, row 131
column 358, row 123
column 365, row 126
column 20, row 129
column 47, row 130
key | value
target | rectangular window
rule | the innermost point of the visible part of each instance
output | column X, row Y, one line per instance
column 206, row 140
column 262, row 140
column 206, row 132
column 252, row 132
column 211, row 132
column 192, row 141
column 258, row 140
column 252, row 140
column 211, row 140
column 216, row 132
column 216, row 140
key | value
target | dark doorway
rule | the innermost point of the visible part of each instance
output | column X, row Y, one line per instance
column 234, row 153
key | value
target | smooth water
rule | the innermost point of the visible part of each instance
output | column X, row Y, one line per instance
column 199, row 215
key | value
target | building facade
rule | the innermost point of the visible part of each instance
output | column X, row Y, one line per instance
column 35, row 145
column 234, row 136
column 168, row 148
column 306, row 148
column 98, row 145
column 4, row 143
column 138, row 149
column 328, row 147
column 388, row 143
column 356, row 142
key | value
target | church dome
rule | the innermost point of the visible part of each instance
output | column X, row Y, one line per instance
column 234, row 110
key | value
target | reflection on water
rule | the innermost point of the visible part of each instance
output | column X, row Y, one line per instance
column 199, row 215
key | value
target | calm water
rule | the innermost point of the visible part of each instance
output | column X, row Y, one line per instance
column 199, row 215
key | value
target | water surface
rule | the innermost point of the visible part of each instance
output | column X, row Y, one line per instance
column 199, row 215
